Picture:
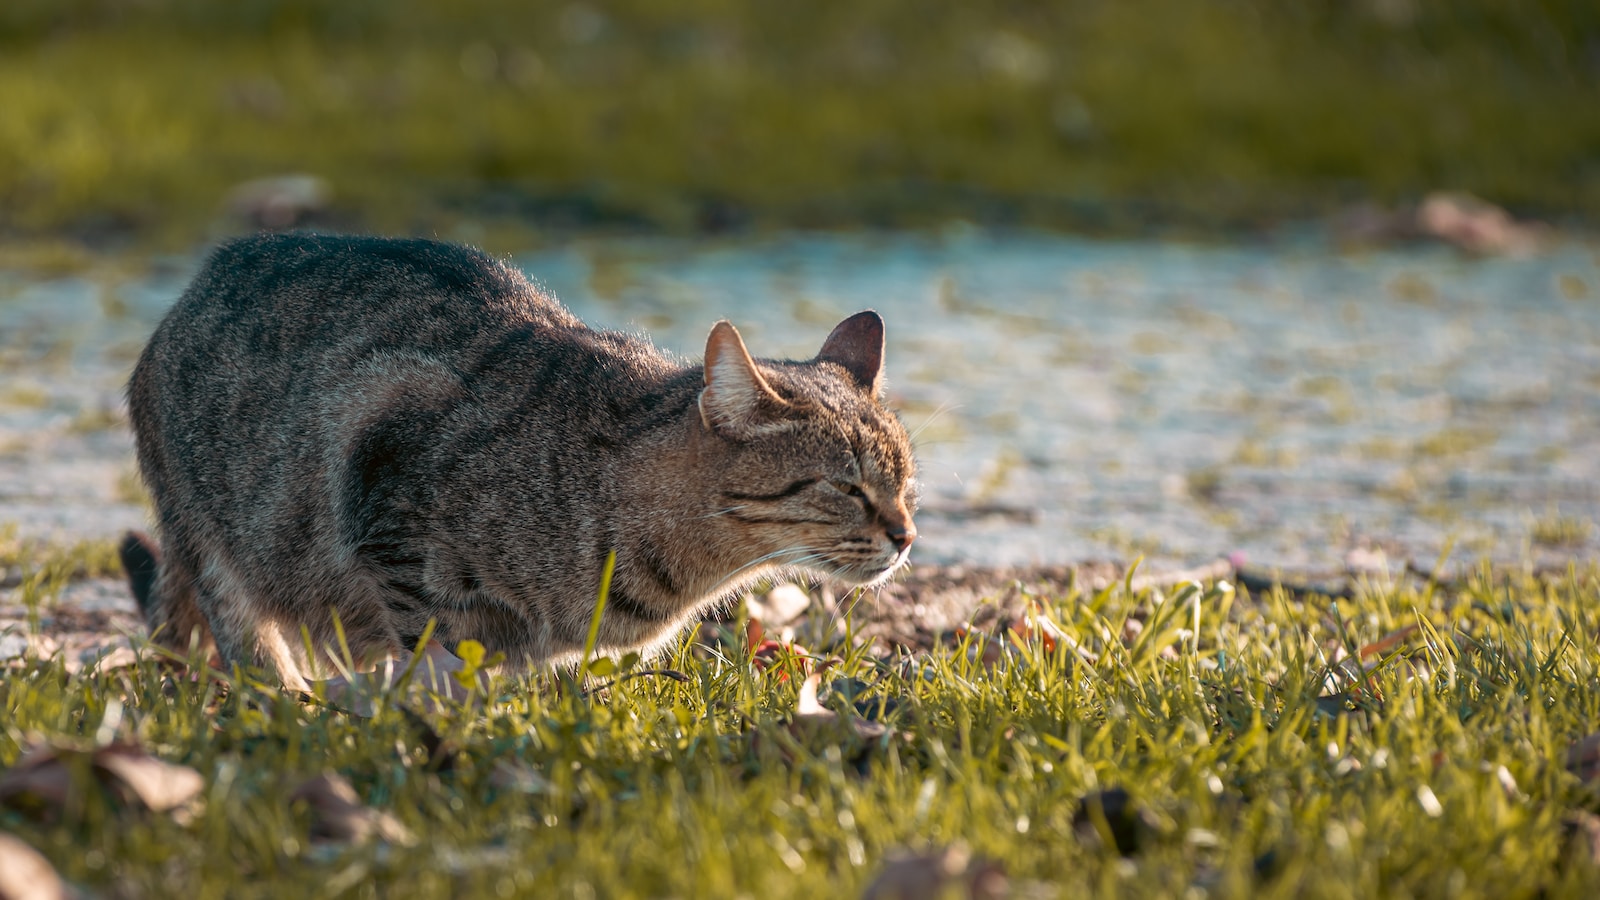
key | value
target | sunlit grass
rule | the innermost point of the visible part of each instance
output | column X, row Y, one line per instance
column 24, row 558
column 1557, row 530
column 1263, row 763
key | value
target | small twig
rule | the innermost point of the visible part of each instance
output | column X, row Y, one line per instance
column 674, row 674
column 1259, row 584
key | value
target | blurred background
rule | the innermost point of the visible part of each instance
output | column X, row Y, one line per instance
column 1309, row 284
column 142, row 118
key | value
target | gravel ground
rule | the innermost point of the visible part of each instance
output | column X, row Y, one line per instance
column 1285, row 405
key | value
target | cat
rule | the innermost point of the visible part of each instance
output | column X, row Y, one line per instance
column 398, row 431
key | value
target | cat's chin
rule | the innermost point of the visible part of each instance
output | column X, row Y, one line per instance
column 872, row 577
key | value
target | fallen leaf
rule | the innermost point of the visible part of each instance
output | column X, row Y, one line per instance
column 1111, row 816
column 338, row 815
column 807, row 703
column 1035, row 624
column 1386, row 643
column 1131, row 629
column 925, row 875
column 118, row 658
column 1583, row 758
column 44, row 779
column 784, row 659
column 812, row 723
column 161, row 786
column 25, row 874
column 1582, row 832
column 442, row 754
column 37, row 783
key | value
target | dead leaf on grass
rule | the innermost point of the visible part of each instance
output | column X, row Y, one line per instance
column 782, row 658
column 441, row 754
column 161, row 786
column 1582, row 833
column 810, row 716
column 26, row 875
column 1111, row 817
column 339, row 816
column 813, row 724
column 120, row 657
column 924, row 875
column 1388, row 642
column 1583, row 758
column 47, row 780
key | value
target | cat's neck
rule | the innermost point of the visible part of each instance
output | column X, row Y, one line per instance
column 679, row 547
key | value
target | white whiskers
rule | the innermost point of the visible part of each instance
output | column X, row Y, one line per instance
column 941, row 410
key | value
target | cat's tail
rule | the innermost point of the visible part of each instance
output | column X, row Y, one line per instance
column 141, row 559
column 164, row 591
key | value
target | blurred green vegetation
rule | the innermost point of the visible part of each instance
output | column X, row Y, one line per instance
column 138, row 116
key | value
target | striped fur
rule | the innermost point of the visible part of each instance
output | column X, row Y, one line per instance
column 397, row 431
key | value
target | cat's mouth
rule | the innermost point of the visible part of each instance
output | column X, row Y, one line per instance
column 870, row 575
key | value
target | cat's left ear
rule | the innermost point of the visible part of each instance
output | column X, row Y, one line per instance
column 857, row 344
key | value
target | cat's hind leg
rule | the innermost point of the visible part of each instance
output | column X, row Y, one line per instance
column 163, row 586
column 243, row 626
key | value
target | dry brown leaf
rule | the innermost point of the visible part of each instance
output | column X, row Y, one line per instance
column 783, row 658
column 1035, row 624
column 1583, row 758
column 925, row 875
column 1112, row 817
column 25, row 874
column 1582, row 831
column 119, row 658
column 161, row 786
column 43, row 778
column 38, row 782
column 338, row 815
column 807, row 704
column 811, row 715
column 1386, row 643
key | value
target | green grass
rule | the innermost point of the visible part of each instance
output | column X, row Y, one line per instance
column 137, row 118
column 1248, row 782
column 55, row 564
column 1556, row 530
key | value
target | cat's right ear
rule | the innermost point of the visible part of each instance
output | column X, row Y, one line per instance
column 857, row 344
column 737, row 402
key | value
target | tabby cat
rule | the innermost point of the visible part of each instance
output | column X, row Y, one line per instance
column 399, row 431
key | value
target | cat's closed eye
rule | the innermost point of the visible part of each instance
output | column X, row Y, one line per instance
column 854, row 491
column 850, row 489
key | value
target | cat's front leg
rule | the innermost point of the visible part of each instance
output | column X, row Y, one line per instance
column 434, row 669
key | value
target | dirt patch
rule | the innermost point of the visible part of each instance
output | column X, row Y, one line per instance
column 93, row 622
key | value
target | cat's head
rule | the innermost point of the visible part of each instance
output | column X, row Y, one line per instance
column 819, row 472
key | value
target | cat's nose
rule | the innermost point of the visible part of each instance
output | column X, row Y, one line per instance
column 901, row 535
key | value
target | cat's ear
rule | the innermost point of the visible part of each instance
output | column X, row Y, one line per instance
column 857, row 344
column 737, row 402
